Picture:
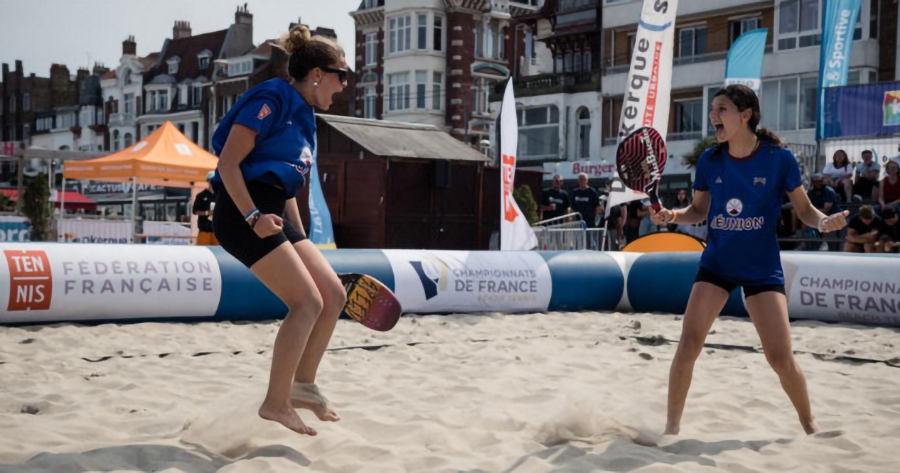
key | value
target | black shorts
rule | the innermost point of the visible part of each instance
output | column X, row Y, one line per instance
column 236, row 236
column 705, row 275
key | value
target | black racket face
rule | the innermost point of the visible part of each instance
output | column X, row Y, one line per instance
column 641, row 160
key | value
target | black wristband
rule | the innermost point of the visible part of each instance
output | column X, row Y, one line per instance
column 254, row 219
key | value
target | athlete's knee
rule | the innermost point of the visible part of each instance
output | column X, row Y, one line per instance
column 690, row 346
column 307, row 306
column 783, row 363
column 333, row 296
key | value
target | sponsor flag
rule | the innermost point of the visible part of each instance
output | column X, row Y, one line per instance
column 838, row 25
column 515, row 232
column 745, row 60
column 320, row 231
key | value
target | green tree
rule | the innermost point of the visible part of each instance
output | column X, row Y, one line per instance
column 36, row 206
column 691, row 158
column 526, row 203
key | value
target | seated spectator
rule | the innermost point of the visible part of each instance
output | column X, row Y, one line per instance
column 889, row 188
column 615, row 227
column 863, row 231
column 823, row 198
column 889, row 238
column 839, row 175
column 896, row 159
column 867, row 174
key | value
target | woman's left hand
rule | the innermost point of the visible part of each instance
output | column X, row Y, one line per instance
column 835, row 222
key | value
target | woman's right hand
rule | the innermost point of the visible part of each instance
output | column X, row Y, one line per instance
column 268, row 225
column 662, row 217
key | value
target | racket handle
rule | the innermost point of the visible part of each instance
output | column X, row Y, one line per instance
column 654, row 201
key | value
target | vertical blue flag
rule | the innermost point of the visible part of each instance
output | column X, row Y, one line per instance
column 320, row 231
column 838, row 24
column 745, row 60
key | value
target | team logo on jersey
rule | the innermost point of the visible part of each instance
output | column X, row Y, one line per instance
column 719, row 180
column 734, row 207
column 264, row 112
column 759, row 182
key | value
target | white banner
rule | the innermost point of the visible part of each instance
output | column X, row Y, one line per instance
column 864, row 290
column 44, row 282
column 74, row 230
column 649, row 85
column 515, row 232
column 158, row 231
column 462, row 281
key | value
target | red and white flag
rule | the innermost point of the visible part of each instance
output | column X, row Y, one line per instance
column 515, row 232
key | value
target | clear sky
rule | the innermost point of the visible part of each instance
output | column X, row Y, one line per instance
column 78, row 33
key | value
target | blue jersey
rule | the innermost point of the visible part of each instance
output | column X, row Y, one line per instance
column 745, row 204
column 286, row 139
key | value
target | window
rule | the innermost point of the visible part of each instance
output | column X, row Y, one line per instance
column 477, row 41
column 741, row 26
column 152, row 105
column 400, row 33
column 398, row 95
column 26, row 132
column 422, row 33
column 181, row 128
column 689, row 116
column 163, row 100
column 438, row 40
column 173, row 65
column 371, row 49
column 127, row 78
column 369, row 104
column 539, row 132
column 128, row 139
column 631, row 39
column 87, row 116
column 584, row 133
column 798, row 24
column 115, row 140
column 436, row 91
column 204, row 62
column 26, row 102
column 501, row 44
column 692, row 41
column 577, row 62
column 421, row 86
column 587, row 61
column 198, row 95
column 792, row 101
column 195, row 132
column 480, row 92
column 488, row 42
column 99, row 119
column 559, row 63
column 873, row 19
column 568, row 61
column 529, row 44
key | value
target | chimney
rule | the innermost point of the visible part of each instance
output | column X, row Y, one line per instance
column 99, row 69
column 129, row 47
column 243, row 16
column 182, row 29
column 81, row 74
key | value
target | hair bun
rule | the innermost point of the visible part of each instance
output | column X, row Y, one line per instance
column 296, row 39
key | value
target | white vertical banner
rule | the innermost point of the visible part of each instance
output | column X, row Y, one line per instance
column 648, row 89
column 515, row 232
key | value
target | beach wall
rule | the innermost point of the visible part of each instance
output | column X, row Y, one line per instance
column 48, row 282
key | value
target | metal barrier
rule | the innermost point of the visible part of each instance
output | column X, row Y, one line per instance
column 558, row 234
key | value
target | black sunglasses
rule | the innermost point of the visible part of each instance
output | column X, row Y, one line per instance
column 342, row 73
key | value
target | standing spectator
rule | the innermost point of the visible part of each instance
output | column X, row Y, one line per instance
column 889, row 239
column 615, row 226
column 646, row 225
column 633, row 220
column 555, row 201
column 203, row 204
column 586, row 201
column 862, row 231
column 867, row 174
column 682, row 201
column 889, row 188
column 823, row 198
column 839, row 174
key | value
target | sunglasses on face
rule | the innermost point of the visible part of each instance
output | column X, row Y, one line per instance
column 342, row 73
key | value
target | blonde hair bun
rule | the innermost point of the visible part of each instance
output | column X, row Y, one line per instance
column 296, row 39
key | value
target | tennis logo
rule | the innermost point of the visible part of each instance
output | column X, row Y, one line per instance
column 434, row 275
column 892, row 108
column 30, row 280
column 734, row 207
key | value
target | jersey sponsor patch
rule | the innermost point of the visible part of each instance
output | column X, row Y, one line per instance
column 264, row 112
column 759, row 182
column 734, row 207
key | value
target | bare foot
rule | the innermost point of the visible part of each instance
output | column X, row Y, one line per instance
column 672, row 430
column 307, row 396
column 287, row 417
column 811, row 427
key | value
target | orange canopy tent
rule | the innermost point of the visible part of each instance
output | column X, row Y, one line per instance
column 164, row 158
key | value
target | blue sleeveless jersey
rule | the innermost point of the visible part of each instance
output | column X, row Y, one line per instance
column 286, row 140
column 746, row 196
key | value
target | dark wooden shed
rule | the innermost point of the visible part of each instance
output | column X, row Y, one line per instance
column 398, row 185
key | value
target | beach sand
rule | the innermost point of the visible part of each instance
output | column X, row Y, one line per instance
column 462, row 393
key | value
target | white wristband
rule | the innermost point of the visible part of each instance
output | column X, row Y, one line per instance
column 819, row 225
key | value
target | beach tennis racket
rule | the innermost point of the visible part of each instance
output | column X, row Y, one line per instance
column 640, row 160
column 370, row 302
